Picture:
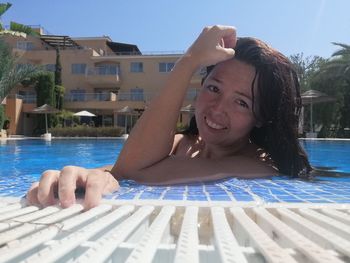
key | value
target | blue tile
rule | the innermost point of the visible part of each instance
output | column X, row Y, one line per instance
column 196, row 198
column 173, row 197
column 149, row 195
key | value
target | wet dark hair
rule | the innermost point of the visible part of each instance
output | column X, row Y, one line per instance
column 278, row 109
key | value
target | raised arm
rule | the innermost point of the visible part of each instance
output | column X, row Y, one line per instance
column 152, row 138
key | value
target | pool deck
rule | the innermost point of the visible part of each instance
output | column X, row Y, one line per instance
column 175, row 231
column 263, row 220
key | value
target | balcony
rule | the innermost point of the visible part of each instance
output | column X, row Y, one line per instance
column 103, row 77
column 109, row 101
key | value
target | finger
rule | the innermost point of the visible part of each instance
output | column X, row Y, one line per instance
column 67, row 184
column 32, row 194
column 230, row 41
column 47, row 184
column 112, row 184
column 95, row 185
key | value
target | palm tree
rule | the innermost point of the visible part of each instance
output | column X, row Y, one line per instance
column 3, row 9
column 337, row 69
column 338, row 66
column 11, row 72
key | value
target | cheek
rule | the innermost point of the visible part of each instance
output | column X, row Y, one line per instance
column 242, row 120
column 201, row 101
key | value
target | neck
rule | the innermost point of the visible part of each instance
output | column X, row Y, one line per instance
column 217, row 151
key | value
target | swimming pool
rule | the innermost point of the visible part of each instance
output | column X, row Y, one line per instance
column 262, row 220
column 23, row 160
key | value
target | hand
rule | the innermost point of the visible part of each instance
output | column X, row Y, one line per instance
column 96, row 182
column 214, row 44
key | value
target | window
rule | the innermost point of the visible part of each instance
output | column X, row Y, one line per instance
column 28, row 96
column 103, row 95
column 50, row 67
column 108, row 70
column 166, row 67
column 136, row 94
column 78, row 69
column 25, row 45
column 77, row 95
column 136, row 67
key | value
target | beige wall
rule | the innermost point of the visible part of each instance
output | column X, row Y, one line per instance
column 13, row 112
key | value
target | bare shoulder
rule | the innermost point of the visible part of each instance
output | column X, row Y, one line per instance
column 181, row 144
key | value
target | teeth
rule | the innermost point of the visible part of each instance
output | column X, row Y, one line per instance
column 214, row 125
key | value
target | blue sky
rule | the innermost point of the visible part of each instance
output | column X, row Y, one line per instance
column 293, row 26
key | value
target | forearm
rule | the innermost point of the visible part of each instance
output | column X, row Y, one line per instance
column 154, row 131
column 176, row 170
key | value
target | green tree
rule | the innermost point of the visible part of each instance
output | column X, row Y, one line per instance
column 44, row 87
column 45, row 92
column 3, row 8
column 58, row 69
column 11, row 71
column 334, row 75
column 306, row 68
column 59, row 89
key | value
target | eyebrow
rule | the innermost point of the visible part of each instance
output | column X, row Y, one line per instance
column 238, row 92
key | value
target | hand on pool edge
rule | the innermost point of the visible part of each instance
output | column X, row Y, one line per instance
column 96, row 182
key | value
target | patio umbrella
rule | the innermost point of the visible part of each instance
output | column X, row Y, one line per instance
column 45, row 109
column 127, row 111
column 314, row 96
column 84, row 113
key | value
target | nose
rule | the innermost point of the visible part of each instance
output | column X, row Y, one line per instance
column 220, row 106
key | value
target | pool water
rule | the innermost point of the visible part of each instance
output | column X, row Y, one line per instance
column 22, row 161
column 331, row 155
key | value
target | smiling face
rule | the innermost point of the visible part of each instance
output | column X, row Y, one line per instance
column 224, row 109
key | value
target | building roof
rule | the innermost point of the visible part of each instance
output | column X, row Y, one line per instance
column 59, row 41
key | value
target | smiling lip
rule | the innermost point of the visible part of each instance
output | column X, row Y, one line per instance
column 214, row 125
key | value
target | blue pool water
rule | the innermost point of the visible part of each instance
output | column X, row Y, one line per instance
column 22, row 161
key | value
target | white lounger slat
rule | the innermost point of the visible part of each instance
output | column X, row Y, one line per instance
column 187, row 244
column 337, row 215
column 106, row 245
column 264, row 244
column 329, row 223
column 18, row 232
column 49, row 231
column 323, row 237
column 19, row 212
column 70, row 242
column 293, row 239
column 225, row 241
column 147, row 247
column 11, row 207
column 28, row 217
column 175, row 231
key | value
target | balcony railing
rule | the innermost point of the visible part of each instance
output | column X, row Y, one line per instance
column 105, row 76
column 76, row 97
column 27, row 99
column 122, row 96
column 111, row 96
column 103, row 71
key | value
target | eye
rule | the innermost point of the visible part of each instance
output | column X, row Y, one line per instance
column 243, row 104
column 213, row 88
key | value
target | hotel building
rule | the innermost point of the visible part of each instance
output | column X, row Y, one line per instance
column 99, row 75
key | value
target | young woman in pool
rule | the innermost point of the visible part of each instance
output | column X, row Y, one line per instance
column 245, row 125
